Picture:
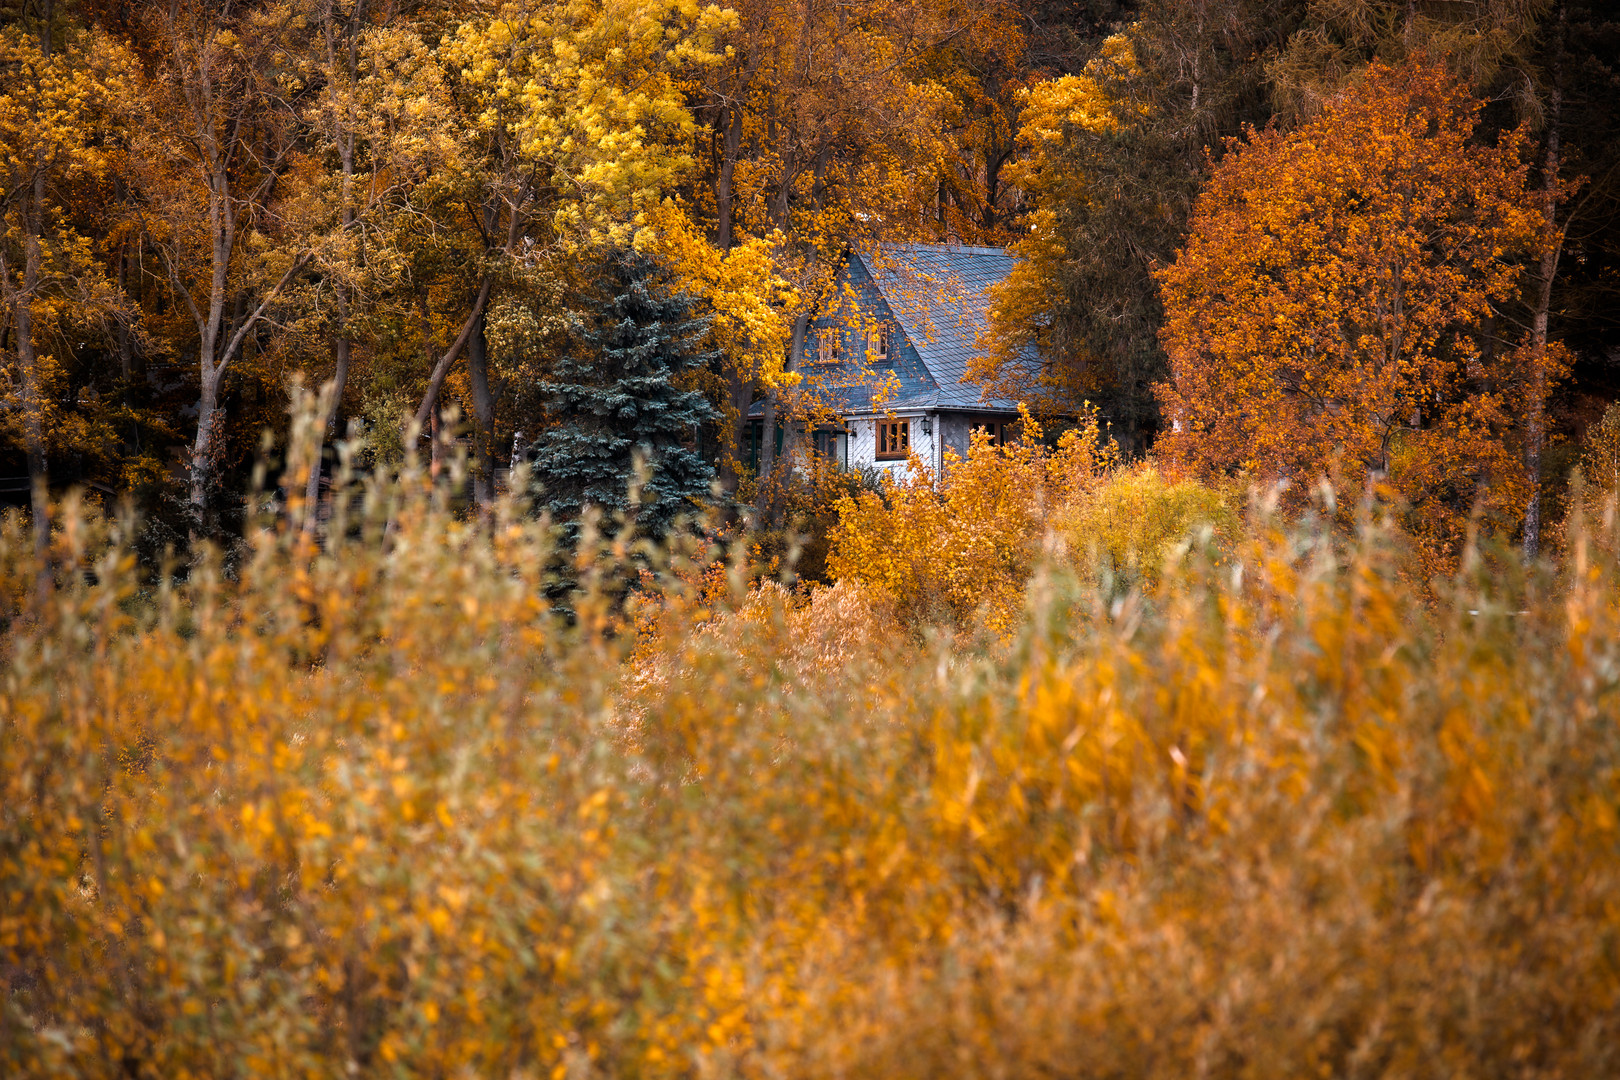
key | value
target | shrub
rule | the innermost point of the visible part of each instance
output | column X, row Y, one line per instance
column 370, row 808
column 799, row 511
column 1126, row 526
column 1599, row 484
column 960, row 546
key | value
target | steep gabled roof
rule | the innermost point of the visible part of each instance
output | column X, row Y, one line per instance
column 940, row 295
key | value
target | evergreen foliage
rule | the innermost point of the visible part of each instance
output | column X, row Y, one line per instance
column 615, row 397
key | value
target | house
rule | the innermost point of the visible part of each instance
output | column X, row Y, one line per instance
column 886, row 357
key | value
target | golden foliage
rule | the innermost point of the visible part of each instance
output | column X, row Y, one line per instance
column 589, row 95
column 1326, row 312
column 804, row 495
column 963, row 544
column 373, row 809
column 1127, row 526
column 1595, row 481
column 1053, row 110
column 1600, row 455
column 739, row 286
column 57, row 149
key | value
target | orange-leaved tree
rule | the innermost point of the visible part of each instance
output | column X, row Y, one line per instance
column 1332, row 309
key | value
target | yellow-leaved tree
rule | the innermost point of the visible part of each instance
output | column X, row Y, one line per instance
column 751, row 307
column 1020, row 315
column 54, row 116
column 575, row 125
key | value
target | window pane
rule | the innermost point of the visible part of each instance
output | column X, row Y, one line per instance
column 827, row 342
column 893, row 438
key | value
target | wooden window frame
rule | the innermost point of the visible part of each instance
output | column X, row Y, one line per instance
column 829, row 346
column 880, row 343
column 1001, row 431
column 892, row 440
column 826, row 441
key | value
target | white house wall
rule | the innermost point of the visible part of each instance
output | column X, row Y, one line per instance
column 952, row 433
column 863, row 444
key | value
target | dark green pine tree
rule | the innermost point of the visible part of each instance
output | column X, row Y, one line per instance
column 613, row 397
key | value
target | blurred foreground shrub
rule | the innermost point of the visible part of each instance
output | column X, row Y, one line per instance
column 370, row 809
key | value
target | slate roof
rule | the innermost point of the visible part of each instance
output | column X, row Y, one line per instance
column 940, row 296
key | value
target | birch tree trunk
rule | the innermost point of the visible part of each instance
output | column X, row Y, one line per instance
column 216, row 97
column 483, row 403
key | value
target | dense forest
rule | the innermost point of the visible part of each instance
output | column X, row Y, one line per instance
column 207, row 205
column 417, row 659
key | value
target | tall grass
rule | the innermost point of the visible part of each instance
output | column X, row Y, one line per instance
column 370, row 807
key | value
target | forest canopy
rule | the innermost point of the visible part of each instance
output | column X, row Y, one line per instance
column 206, row 204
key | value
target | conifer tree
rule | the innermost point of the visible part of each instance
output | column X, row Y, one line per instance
column 615, row 395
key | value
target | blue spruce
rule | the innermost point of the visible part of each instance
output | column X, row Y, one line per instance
column 614, row 396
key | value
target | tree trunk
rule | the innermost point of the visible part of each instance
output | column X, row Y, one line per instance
column 426, row 410
column 741, row 391
column 435, row 451
column 340, row 378
column 1536, row 419
column 126, row 341
column 341, row 345
column 33, row 398
column 221, row 227
column 210, row 417
column 483, row 404
column 767, row 449
column 28, row 361
column 203, row 448
column 723, row 186
column 131, row 364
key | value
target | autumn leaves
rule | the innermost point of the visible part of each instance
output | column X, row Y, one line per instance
column 372, row 808
column 1331, row 311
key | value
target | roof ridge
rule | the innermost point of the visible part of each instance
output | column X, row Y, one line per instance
column 965, row 249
